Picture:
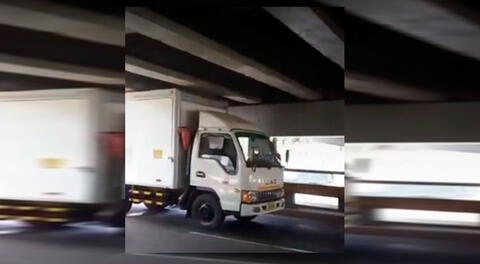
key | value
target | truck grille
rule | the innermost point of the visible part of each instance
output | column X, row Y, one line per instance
column 269, row 195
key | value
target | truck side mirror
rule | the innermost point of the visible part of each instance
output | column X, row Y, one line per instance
column 287, row 155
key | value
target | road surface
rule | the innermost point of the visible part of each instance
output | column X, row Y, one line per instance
column 170, row 232
column 95, row 243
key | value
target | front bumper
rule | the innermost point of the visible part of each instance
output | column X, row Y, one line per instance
column 262, row 208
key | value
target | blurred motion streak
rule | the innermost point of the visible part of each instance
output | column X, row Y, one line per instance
column 62, row 156
column 314, row 174
column 61, row 114
column 414, row 190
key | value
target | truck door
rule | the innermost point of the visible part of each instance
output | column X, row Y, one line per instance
column 215, row 165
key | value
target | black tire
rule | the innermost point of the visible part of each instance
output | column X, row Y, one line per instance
column 154, row 207
column 244, row 218
column 207, row 212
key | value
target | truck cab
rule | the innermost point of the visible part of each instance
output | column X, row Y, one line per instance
column 237, row 164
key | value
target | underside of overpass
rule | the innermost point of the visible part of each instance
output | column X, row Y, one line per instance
column 55, row 45
column 243, row 55
column 411, row 51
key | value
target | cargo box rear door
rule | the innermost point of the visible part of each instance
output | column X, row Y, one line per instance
column 149, row 142
column 47, row 150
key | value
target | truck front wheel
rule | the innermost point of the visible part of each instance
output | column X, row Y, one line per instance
column 207, row 212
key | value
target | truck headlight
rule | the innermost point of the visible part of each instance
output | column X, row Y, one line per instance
column 249, row 196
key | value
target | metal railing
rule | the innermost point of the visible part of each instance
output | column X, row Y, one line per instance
column 292, row 188
column 304, row 211
column 364, row 206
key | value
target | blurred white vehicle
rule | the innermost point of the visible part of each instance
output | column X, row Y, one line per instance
column 61, row 154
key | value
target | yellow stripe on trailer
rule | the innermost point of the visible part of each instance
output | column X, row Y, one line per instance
column 28, row 218
column 5, row 216
column 159, row 194
column 4, row 206
column 135, row 192
column 147, row 192
column 56, row 209
column 147, row 201
column 158, row 203
column 25, row 208
column 55, row 220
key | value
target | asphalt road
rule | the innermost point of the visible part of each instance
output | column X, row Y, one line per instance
column 170, row 232
column 95, row 243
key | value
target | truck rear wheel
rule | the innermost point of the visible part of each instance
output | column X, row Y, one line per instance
column 207, row 212
column 244, row 218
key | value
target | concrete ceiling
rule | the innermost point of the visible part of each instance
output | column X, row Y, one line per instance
column 411, row 51
column 242, row 54
column 440, row 23
column 307, row 24
column 55, row 45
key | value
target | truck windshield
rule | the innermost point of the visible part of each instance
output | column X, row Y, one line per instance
column 265, row 156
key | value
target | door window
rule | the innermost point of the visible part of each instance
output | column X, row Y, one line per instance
column 219, row 147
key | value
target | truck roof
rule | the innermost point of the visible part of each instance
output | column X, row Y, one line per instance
column 210, row 119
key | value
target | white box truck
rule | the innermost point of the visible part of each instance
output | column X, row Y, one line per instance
column 61, row 154
column 186, row 151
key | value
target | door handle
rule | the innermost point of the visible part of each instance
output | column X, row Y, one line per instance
column 200, row 174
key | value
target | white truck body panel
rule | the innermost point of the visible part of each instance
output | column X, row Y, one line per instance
column 50, row 145
column 154, row 156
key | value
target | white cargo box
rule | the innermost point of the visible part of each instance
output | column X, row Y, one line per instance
column 49, row 144
column 154, row 156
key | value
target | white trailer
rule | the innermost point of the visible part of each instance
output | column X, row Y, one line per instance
column 54, row 163
column 186, row 150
